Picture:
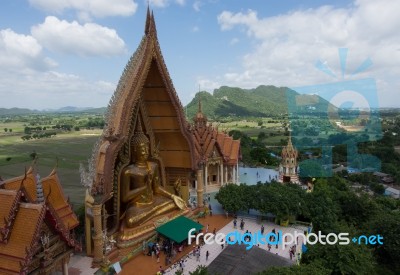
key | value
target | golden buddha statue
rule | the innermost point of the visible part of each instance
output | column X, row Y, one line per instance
column 140, row 186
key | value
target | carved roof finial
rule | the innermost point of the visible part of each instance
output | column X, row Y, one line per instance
column 23, row 180
column 148, row 19
column 200, row 107
column 153, row 28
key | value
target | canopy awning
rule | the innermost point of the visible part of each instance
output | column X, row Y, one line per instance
column 177, row 230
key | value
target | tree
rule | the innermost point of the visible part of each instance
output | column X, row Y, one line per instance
column 33, row 155
column 200, row 270
column 230, row 198
column 261, row 136
column 386, row 224
column 341, row 259
column 10, row 130
column 309, row 269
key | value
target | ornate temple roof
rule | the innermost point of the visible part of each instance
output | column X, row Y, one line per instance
column 21, row 218
column 17, row 251
column 8, row 210
column 289, row 151
column 206, row 137
column 53, row 193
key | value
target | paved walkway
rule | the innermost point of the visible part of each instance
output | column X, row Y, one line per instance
column 81, row 265
column 190, row 262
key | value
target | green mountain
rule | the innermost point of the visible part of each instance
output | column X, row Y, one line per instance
column 17, row 111
column 259, row 102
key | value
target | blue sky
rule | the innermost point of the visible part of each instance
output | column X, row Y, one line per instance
column 72, row 52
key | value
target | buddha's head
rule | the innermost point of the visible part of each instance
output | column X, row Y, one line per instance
column 140, row 146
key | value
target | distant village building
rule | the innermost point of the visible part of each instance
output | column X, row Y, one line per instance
column 217, row 153
column 393, row 192
column 288, row 168
column 36, row 225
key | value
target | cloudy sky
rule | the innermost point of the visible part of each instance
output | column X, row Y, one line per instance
column 56, row 53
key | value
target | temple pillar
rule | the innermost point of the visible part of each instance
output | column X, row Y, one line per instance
column 98, row 234
column 88, row 232
column 234, row 174
column 206, row 177
column 226, row 173
column 218, row 175
column 65, row 268
column 237, row 172
column 200, row 191
column 221, row 168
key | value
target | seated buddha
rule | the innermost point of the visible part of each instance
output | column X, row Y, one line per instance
column 141, row 190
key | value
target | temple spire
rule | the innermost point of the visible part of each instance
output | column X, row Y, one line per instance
column 148, row 20
column 290, row 139
column 200, row 108
column 153, row 23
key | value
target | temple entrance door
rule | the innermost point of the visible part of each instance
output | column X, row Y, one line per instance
column 286, row 179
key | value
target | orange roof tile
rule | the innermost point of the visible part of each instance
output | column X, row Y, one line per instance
column 56, row 198
column 54, row 195
column 7, row 199
column 227, row 146
column 23, row 236
column 8, row 210
column 234, row 154
column 29, row 184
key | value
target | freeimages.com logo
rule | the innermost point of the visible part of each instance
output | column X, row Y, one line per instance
column 278, row 238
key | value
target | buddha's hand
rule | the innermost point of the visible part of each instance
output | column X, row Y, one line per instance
column 179, row 201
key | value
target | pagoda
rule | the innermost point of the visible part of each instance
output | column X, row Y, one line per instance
column 288, row 168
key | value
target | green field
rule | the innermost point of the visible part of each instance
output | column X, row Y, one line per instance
column 70, row 149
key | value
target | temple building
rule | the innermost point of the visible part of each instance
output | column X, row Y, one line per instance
column 148, row 158
column 36, row 225
column 288, row 168
column 217, row 153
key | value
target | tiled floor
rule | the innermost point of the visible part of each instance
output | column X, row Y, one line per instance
column 250, row 224
column 81, row 265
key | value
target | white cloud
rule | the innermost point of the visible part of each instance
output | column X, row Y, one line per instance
column 195, row 29
column 207, row 85
column 73, row 38
column 159, row 3
column 164, row 3
column 288, row 45
column 36, row 90
column 197, row 5
column 96, row 8
column 21, row 52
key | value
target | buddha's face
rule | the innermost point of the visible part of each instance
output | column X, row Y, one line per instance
column 142, row 152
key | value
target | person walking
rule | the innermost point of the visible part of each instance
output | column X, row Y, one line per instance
column 207, row 255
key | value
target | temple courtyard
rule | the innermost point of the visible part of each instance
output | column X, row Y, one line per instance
column 252, row 225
